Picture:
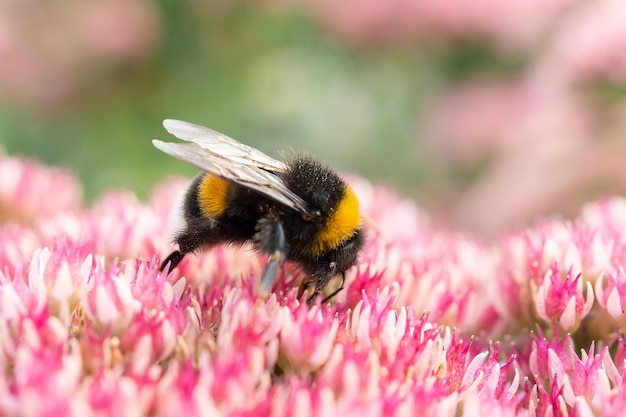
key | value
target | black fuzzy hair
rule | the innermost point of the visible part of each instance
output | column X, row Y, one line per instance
column 314, row 182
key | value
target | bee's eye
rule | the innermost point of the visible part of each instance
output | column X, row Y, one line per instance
column 313, row 215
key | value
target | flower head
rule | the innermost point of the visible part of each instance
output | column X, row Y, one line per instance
column 431, row 323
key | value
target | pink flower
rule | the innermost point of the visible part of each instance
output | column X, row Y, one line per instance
column 26, row 186
column 125, row 228
column 431, row 323
column 17, row 243
column 420, row 267
column 567, row 383
column 560, row 301
column 306, row 338
column 611, row 294
column 44, row 363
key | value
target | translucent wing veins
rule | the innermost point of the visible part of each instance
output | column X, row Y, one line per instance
column 218, row 154
column 220, row 144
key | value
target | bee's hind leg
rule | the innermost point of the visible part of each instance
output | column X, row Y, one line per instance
column 270, row 239
column 199, row 233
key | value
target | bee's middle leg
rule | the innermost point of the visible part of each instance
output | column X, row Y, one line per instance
column 270, row 239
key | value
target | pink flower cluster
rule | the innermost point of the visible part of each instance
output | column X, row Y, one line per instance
column 431, row 323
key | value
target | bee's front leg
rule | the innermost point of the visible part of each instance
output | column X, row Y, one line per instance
column 341, row 287
column 320, row 279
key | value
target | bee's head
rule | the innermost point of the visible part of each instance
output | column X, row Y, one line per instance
column 332, row 201
column 317, row 184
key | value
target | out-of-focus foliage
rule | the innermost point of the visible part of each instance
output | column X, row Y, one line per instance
column 489, row 112
column 267, row 78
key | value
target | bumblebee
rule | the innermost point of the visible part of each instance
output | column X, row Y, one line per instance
column 297, row 210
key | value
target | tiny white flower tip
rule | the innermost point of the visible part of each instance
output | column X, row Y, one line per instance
column 568, row 390
column 554, row 364
column 614, row 304
column 540, row 304
column 479, row 376
column 590, row 298
column 474, row 366
column 514, row 386
column 568, row 318
column 62, row 287
column 179, row 287
column 547, row 279
column 583, row 407
column 106, row 309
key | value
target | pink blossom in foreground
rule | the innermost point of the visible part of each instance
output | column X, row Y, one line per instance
column 431, row 323
column 562, row 300
column 26, row 187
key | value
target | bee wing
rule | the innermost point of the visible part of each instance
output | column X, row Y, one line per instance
column 218, row 143
column 218, row 154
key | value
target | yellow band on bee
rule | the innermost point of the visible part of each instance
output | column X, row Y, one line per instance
column 341, row 225
column 213, row 196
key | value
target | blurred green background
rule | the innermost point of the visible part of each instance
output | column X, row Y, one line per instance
column 269, row 78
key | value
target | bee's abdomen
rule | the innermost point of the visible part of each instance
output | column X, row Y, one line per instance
column 191, row 207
